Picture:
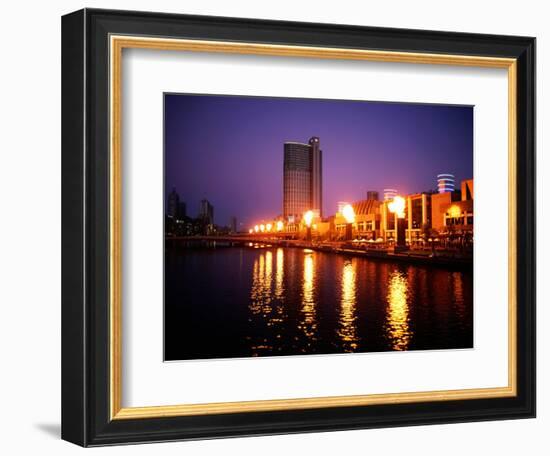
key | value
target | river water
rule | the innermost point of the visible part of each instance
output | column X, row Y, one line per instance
column 267, row 301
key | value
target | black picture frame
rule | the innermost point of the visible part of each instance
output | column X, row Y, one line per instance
column 85, row 228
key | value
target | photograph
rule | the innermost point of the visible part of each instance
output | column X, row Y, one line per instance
column 267, row 227
column 299, row 226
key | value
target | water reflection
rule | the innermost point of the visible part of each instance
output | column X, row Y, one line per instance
column 280, row 274
column 269, row 301
column 347, row 330
column 459, row 300
column 261, row 301
column 260, row 295
column 397, row 318
column 308, row 322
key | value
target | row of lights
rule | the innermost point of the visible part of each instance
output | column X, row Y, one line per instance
column 267, row 228
column 397, row 206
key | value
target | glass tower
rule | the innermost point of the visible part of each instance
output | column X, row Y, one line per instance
column 302, row 179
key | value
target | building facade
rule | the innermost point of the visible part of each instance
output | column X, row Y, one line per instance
column 426, row 214
column 302, row 179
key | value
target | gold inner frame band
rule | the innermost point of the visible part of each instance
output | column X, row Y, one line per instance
column 117, row 44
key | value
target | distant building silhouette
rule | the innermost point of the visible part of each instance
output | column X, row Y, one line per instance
column 182, row 210
column 233, row 224
column 302, row 178
column 206, row 212
column 173, row 205
column 372, row 195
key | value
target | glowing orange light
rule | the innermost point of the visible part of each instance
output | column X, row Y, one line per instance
column 454, row 211
column 397, row 206
column 251, row 230
column 268, row 227
column 262, row 227
column 280, row 225
column 308, row 218
column 348, row 213
column 256, row 228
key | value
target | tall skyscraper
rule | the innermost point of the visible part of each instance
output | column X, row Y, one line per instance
column 445, row 183
column 316, row 175
column 206, row 212
column 302, row 178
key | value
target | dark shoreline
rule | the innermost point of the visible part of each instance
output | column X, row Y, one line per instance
column 407, row 256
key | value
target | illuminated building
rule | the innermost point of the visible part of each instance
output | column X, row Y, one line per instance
column 467, row 189
column 419, row 215
column 302, row 179
column 422, row 212
column 460, row 214
column 440, row 203
column 445, row 183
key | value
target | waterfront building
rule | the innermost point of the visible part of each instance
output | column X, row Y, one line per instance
column 440, row 204
column 459, row 215
column 445, row 183
column 366, row 224
column 419, row 217
column 424, row 212
column 302, row 179
column 467, row 189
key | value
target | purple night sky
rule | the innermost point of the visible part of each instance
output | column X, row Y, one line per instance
column 229, row 149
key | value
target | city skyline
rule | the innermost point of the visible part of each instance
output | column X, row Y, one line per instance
column 367, row 146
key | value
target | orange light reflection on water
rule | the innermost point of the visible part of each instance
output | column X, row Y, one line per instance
column 397, row 318
column 347, row 319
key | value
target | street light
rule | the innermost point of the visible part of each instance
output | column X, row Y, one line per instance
column 280, row 225
column 397, row 206
column 349, row 215
column 256, row 228
column 262, row 227
column 308, row 218
column 268, row 227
